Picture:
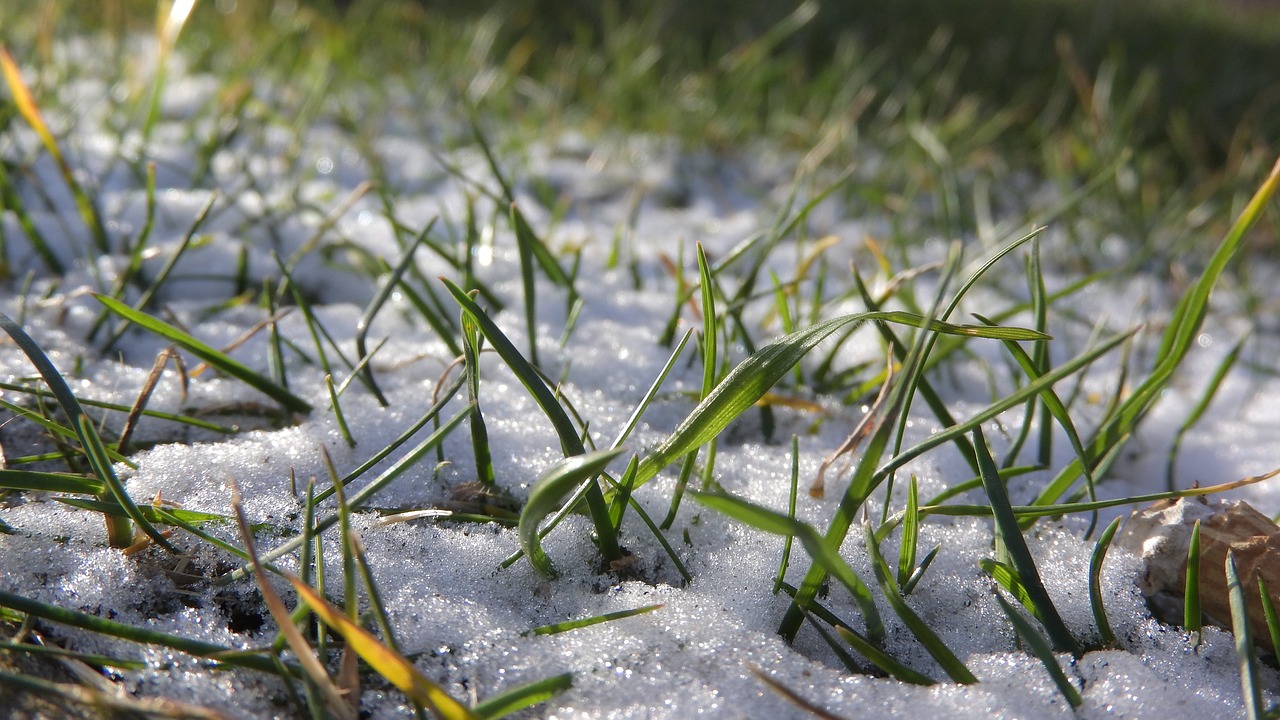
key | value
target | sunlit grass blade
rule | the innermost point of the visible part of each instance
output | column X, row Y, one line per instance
column 545, row 497
column 1010, row 534
column 823, row 554
column 216, row 358
column 1042, row 650
column 918, row 574
column 883, row 660
column 471, row 346
column 386, row 662
column 1250, row 677
column 568, row 625
column 1106, row 634
column 11, row 479
column 951, row 665
column 337, row 704
column 30, row 112
column 753, row 377
column 1192, row 614
column 791, row 513
column 167, row 33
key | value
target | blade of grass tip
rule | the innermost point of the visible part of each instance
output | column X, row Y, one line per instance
column 1042, row 650
column 166, row 37
column 1106, row 634
column 937, row 649
column 546, row 494
column 622, row 493
column 1191, row 612
column 569, row 441
column 910, row 533
column 216, row 358
column 823, row 554
column 471, row 347
column 791, row 513
column 710, row 324
column 337, row 704
column 391, row 665
column 1250, row 680
column 792, row 696
column 557, row 628
column 30, row 112
column 918, row 573
column 1269, row 613
column 522, row 696
column 1210, row 391
column 1019, row 554
column 379, row 299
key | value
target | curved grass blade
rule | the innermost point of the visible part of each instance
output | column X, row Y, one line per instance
column 1269, row 614
column 523, row 696
column 910, row 533
column 570, row 443
column 1250, row 679
column 1041, row 649
column 1099, row 555
column 1210, row 391
column 479, row 432
column 119, row 532
column 11, row 479
column 823, row 554
column 545, row 497
column 918, row 574
column 1019, row 555
column 791, row 513
column 951, row 664
column 792, row 696
column 379, row 299
column 216, row 358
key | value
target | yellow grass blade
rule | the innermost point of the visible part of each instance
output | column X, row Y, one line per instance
column 27, row 105
column 388, row 663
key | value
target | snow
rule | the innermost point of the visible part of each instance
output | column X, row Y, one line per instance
column 463, row 618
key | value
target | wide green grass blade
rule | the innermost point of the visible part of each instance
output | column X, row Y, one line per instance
column 1010, row 534
column 1042, row 650
column 11, row 479
column 1269, row 614
column 910, row 533
column 216, row 358
column 545, row 497
column 951, row 664
column 823, row 554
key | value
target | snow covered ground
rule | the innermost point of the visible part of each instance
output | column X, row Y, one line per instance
column 463, row 618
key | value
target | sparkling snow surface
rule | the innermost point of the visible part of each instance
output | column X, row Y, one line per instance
column 453, row 608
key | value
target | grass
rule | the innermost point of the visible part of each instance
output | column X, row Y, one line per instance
column 1122, row 154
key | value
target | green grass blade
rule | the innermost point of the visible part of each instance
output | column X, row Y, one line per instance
column 557, row 628
column 951, row 664
column 569, row 441
column 545, row 497
column 791, row 513
column 1192, row 616
column 1210, row 391
column 1042, row 650
column 379, row 299
column 216, row 358
column 1250, row 678
column 918, row 573
column 93, row 623
column 910, row 533
column 1107, row 635
column 1020, row 556
column 523, row 696
column 471, row 346
column 11, row 479
column 823, row 554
